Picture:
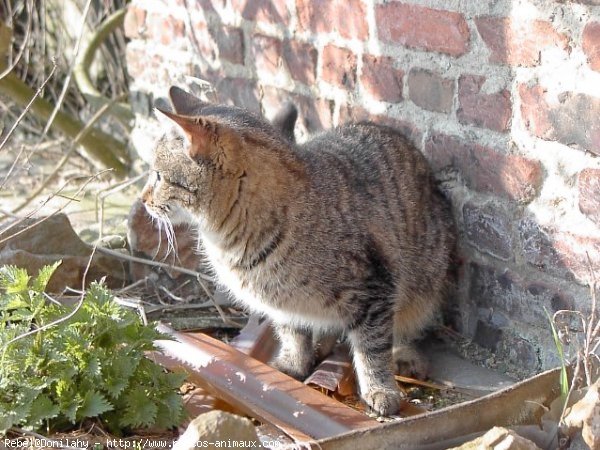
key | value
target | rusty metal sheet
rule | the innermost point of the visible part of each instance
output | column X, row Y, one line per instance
column 257, row 389
column 332, row 370
column 256, row 339
column 520, row 404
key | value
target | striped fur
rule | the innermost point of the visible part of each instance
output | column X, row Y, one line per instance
column 344, row 234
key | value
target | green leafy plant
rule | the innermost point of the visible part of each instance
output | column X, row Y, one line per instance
column 564, row 379
column 55, row 373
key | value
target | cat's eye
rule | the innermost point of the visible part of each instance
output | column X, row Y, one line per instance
column 157, row 175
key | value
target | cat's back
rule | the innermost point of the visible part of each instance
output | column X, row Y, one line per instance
column 372, row 163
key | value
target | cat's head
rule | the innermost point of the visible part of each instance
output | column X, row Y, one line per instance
column 201, row 162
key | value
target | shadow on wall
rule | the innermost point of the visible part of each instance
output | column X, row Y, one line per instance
column 226, row 45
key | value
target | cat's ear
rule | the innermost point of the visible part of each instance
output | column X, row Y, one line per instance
column 201, row 133
column 185, row 103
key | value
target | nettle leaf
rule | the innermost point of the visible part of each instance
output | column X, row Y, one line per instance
column 141, row 410
column 13, row 279
column 92, row 365
column 42, row 408
column 119, row 372
column 11, row 415
column 170, row 411
column 70, row 406
column 43, row 277
column 93, row 405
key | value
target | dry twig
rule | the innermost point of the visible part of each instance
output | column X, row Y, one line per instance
column 28, row 107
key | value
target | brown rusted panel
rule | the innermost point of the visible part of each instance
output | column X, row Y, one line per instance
column 258, row 389
column 332, row 370
column 519, row 404
column 256, row 339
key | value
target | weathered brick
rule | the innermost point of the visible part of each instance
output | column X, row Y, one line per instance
column 521, row 299
column 489, row 229
column 202, row 5
column 491, row 111
column 381, row 79
column 484, row 169
column 591, row 44
column 559, row 253
column 315, row 113
column 204, row 41
column 301, row 60
column 135, row 61
column 239, row 92
column 574, row 251
column 339, row 66
column 430, row 91
column 269, row 11
column 359, row 114
column 134, row 22
column 230, row 41
column 573, row 120
column 518, row 42
column 589, row 194
column 538, row 249
column 347, row 17
column 420, row 27
column 266, row 54
column 164, row 28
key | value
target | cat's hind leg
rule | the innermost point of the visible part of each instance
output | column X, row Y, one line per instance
column 409, row 322
column 296, row 356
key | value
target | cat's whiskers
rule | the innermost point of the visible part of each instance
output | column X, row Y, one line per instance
column 171, row 238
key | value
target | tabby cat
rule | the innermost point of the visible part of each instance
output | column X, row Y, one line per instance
column 343, row 234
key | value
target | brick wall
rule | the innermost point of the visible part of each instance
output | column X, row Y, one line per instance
column 503, row 97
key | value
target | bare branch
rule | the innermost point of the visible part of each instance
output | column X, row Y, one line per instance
column 28, row 106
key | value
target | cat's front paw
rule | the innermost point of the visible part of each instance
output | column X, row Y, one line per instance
column 293, row 366
column 383, row 401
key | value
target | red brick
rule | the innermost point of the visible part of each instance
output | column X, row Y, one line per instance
column 164, row 28
column 266, row 53
column 315, row 113
column 269, row 11
column 204, row 41
column 484, row 169
column 573, row 120
column 519, row 43
column 589, row 194
column 557, row 253
column 425, row 28
column 491, row 111
column 301, row 61
column 488, row 228
column 381, row 79
column 573, row 252
column 230, row 41
column 339, row 66
column 591, row 44
column 202, row 5
column 347, row 17
column 359, row 114
column 538, row 249
column 241, row 92
column 219, row 41
column 134, row 22
column 430, row 91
